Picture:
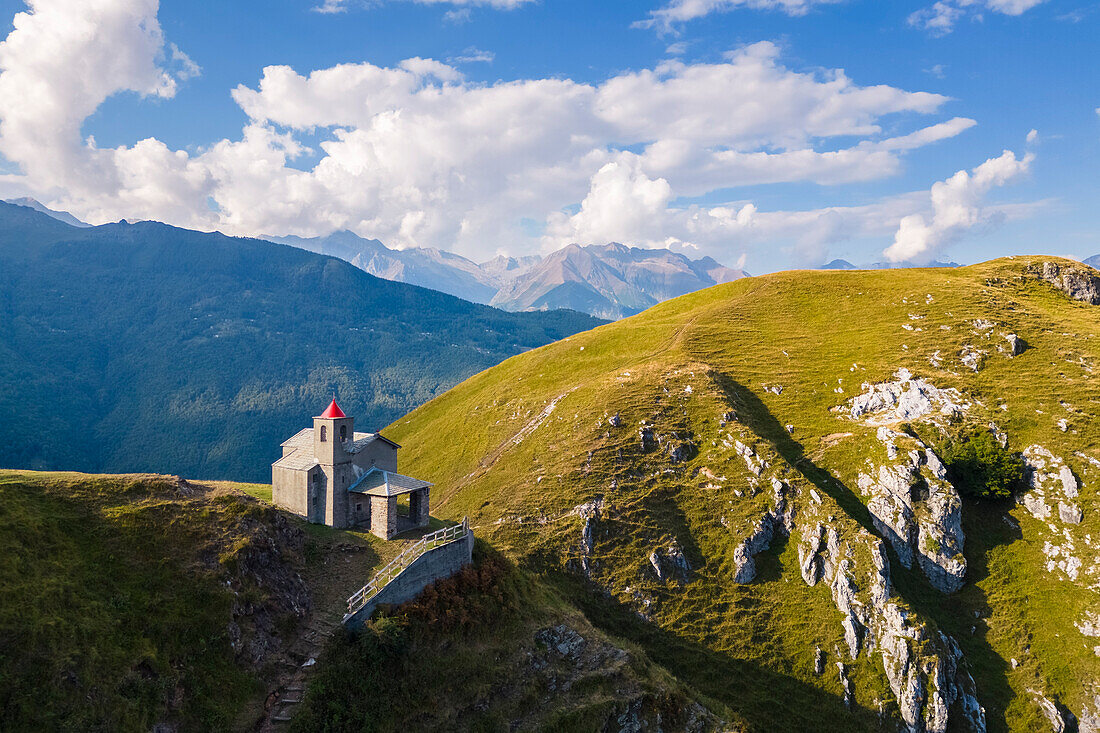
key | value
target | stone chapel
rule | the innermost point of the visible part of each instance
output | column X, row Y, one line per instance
column 330, row 474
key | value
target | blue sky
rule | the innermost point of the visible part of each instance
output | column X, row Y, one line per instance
column 1006, row 66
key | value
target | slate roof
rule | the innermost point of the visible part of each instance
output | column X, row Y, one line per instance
column 377, row 482
column 301, row 439
column 302, row 458
column 362, row 440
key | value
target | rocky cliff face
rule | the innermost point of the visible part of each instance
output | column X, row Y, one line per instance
column 1079, row 283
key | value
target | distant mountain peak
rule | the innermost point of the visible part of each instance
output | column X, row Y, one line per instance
column 62, row 216
column 610, row 280
column 839, row 264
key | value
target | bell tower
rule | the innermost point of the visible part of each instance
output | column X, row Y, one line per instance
column 332, row 432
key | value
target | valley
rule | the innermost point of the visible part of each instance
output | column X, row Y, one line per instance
column 143, row 347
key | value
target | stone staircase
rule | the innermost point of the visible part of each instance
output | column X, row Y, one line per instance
column 301, row 657
column 296, row 669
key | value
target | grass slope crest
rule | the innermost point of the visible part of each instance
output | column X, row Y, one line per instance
column 754, row 483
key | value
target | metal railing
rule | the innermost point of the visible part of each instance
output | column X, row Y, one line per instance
column 409, row 555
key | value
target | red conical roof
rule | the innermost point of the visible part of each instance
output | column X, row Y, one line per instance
column 333, row 410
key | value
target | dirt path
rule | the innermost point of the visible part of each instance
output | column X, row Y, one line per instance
column 515, row 439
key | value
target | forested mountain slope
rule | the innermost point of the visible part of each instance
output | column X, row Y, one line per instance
column 785, row 489
column 145, row 347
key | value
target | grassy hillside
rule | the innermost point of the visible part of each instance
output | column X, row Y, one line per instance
column 495, row 649
column 629, row 465
column 146, row 347
column 129, row 601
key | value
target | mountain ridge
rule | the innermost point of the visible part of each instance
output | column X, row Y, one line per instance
column 62, row 216
column 626, row 280
column 178, row 351
column 612, row 280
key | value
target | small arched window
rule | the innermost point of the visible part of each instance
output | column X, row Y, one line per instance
column 324, row 433
column 343, row 432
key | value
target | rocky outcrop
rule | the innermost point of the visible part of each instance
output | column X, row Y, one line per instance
column 1052, row 498
column 845, row 685
column 818, row 553
column 1089, row 719
column 590, row 513
column 758, row 540
column 1078, row 282
column 1015, row 345
column 754, row 463
column 924, row 668
column 677, row 447
column 905, row 398
column 971, row 357
column 563, row 660
column 1050, row 711
column 1089, row 625
column 669, row 563
column 915, row 507
column 269, row 595
column 778, row 519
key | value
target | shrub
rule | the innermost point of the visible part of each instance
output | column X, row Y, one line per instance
column 981, row 467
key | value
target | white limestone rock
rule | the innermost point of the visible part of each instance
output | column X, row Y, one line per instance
column 1089, row 719
column 670, row 564
column 1078, row 282
column 1089, row 625
column 905, row 398
column 1069, row 482
column 819, row 661
column 1070, row 513
column 1036, row 505
column 925, row 670
column 845, row 684
column 971, row 357
column 1015, row 344
column 1050, row 712
column 919, row 512
column 778, row 519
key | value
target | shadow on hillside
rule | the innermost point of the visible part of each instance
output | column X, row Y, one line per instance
column 984, row 526
column 766, row 699
column 754, row 414
column 665, row 512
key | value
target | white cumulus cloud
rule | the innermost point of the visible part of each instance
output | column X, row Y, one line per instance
column 666, row 18
column 957, row 207
column 340, row 6
column 416, row 154
column 940, row 17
